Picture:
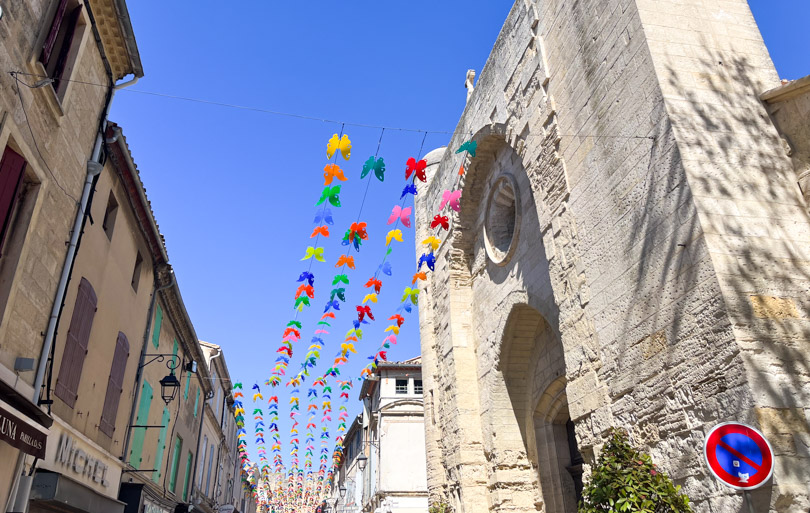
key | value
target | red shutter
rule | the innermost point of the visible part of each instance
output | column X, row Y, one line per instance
column 114, row 385
column 64, row 50
column 11, row 172
column 70, row 370
column 50, row 41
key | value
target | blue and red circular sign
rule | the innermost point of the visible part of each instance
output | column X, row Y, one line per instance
column 738, row 455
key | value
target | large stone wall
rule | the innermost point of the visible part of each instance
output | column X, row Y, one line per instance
column 656, row 271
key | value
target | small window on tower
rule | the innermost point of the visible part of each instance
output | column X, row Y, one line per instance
column 109, row 216
column 401, row 386
column 136, row 272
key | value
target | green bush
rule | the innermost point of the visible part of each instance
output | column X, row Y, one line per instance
column 440, row 507
column 626, row 480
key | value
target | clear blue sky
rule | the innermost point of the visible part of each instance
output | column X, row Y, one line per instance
column 234, row 190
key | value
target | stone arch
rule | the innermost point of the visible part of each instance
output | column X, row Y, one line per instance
column 535, row 461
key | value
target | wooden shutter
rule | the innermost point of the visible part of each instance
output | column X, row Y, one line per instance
column 139, row 433
column 64, row 50
column 178, row 447
column 78, row 336
column 115, row 385
column 161, row 445
column 187, row 475
column 156, row 329
column 50, row 41
column 12, row 166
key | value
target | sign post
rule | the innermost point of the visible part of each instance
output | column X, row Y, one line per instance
column 740, row 457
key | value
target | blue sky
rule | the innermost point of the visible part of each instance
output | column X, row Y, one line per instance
column 234, row 190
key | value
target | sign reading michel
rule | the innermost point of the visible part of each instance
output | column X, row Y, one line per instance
column 21, row 434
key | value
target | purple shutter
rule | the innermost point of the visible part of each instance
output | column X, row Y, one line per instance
column 11, row 172
column 115, row 385
column 50, row 41
column 70, row 370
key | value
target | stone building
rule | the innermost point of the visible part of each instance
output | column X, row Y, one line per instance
column 631, row 250
column 50, row 135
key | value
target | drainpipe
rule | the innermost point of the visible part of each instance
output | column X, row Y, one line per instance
column 94, row 168
column 139, row 372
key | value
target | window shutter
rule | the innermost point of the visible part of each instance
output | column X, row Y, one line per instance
column 156, row 330
column 138, row 434
column 115, row 385
column 196, row 402
column 78, row 336
column 11, row 172
column 187, row 475
column 178, row 446
column 50, row 41
column 161, row 445
column 64, row 50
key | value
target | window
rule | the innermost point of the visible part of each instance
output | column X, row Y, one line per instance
column 417, row 386
column 12, row 166
column 109, row 216
column 178, row 447
column 202, row 458
column 136, row 272
column 60, row 47
column 161, row 445
column 156, row 331
column 78, row 336
column 139, row 434
column 115, row 385
column 401, row 386
column 210, row 465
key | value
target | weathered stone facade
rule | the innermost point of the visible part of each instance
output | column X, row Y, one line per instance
column 631, row 251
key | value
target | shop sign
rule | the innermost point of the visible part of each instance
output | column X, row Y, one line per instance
column 72, row 457
column 20, row 434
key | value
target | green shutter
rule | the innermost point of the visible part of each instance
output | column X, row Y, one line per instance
column 196, row 402
column 187, row 475
column 174, row 352
column 142, row 419
column 161, row 445
column 156, row 330
column 178, row 446
column 188, row 382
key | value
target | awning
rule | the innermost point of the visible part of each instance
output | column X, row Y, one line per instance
column 22, row 424
column 52, row 488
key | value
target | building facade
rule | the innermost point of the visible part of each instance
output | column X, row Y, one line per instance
column 50, row 135
column 631, row 250
column 395, row 479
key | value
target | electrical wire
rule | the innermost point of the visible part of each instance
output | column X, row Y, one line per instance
column 33, row 137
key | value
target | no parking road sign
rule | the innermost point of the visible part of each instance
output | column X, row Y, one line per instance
column 739, row 456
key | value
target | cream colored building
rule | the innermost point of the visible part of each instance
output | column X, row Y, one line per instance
column 51, row 142
column 631, row 250
column 219, row 482
column 394, row 479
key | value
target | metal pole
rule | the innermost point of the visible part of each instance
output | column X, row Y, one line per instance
column 748, row 501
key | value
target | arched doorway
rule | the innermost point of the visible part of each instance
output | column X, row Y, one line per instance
column 532, row 364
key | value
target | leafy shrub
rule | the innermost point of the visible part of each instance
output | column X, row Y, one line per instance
column 440, row 507
column 626, row 480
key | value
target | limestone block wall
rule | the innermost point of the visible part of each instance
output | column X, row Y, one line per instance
column 657, row 244
column 56, row 156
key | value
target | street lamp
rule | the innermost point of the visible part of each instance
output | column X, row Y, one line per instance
column 169, row 385
column 342, row 491
column 362, row 461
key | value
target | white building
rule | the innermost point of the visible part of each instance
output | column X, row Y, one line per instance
column 384, row 464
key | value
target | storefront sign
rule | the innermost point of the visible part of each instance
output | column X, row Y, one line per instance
column 78, row 461
column 18, row 433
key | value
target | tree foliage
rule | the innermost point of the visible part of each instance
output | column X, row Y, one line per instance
column 626, row 480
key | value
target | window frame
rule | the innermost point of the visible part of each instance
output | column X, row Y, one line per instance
column 397, row 387
column 420, row 389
